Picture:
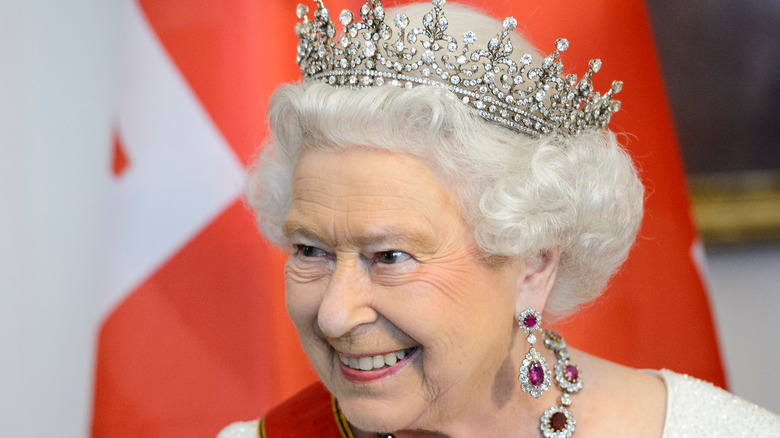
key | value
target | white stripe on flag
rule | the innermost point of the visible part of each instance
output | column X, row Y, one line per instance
column 181, row 174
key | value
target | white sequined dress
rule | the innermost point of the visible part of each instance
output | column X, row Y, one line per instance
column 694, row 409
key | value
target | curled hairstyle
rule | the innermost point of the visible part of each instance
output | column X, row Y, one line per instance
column 522, row 195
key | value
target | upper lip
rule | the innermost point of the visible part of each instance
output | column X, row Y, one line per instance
column 359, row 355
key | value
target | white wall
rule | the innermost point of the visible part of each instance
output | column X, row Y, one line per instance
column 57, row 70
column 745, row 293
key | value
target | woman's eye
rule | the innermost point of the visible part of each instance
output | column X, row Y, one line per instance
column 310, row 251
column 391, row 257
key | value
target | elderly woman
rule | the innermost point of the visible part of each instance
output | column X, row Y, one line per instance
column 442, row 188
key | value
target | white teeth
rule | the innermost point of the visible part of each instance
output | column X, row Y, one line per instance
column 354, row 363
column 368, row 363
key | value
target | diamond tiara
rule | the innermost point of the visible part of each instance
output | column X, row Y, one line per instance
column 533, row 100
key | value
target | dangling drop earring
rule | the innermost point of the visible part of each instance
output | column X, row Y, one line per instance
column 534, row 373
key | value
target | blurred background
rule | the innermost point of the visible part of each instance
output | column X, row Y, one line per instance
column 59, row 69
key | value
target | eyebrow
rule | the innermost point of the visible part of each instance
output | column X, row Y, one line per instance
column 373, row 237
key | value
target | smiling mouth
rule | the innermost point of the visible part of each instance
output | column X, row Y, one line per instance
column 371, row 363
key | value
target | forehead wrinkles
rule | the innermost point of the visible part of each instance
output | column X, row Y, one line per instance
column 365, row 194
column 360, row 215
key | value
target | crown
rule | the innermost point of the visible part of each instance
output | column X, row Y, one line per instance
column 533, row 100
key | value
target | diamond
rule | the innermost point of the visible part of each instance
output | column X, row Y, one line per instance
column 531, row 339
column 617, row 86
column 369, row 49
column 469, row 37
column 324, row 13
column 301, row 11
column 452, row 47
column 561, row 44
column 443, row 24
column 526, row 59
column 493, row 44
column 346, row 17
column 455, row 80
column 461, row 60
column 428, row 19
column 595, row 65
column 509, row 24
column 508, row 49
column 401, row 21
column 439, row 3
column 379, row 13
column 428, row 57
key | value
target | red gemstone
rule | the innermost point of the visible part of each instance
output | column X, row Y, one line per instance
column 558, row 421
column 529, row 321
column 571, row 373
column 536, row 374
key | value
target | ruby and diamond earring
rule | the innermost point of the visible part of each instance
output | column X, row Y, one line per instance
column 534, row 373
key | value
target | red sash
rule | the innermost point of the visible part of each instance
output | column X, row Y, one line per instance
column 311, row 412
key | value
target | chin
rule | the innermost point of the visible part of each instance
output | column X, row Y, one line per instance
column 371, row 415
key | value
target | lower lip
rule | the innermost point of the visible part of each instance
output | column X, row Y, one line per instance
column 359, row 376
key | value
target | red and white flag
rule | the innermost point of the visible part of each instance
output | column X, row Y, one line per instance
column 195, row 334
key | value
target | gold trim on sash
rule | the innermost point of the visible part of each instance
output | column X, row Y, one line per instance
column 261, row 428
column 341, row 421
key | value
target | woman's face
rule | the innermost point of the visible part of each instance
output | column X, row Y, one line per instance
column 401, row 319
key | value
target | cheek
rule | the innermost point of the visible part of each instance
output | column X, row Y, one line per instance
column 302, row 299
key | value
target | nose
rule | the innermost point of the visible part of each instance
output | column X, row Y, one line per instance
column 346, row 303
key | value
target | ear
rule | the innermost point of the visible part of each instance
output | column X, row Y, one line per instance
column 536, row 279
